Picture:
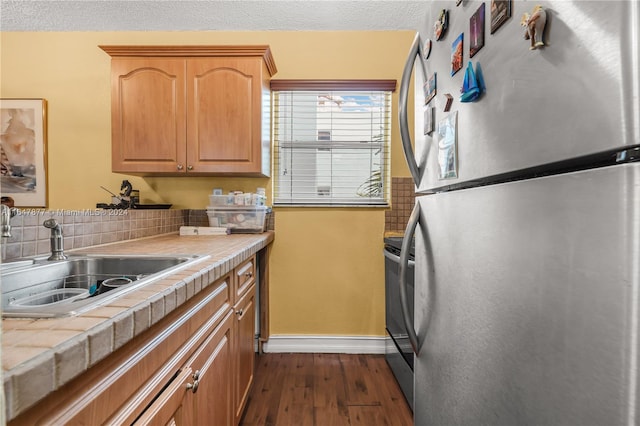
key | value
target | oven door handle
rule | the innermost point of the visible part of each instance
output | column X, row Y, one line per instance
column 404, row 265
column 392, row 257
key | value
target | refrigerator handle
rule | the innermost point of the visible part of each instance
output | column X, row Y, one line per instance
column 402, row 109
column 403, row 267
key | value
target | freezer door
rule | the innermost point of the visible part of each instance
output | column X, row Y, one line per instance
column 527, row 302
column 576, row 96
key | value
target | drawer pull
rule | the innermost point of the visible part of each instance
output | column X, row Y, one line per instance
column 196, row 382
column 239, row 312
column 248, row 274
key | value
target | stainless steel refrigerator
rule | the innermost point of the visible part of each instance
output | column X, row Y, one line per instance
column 527, row 217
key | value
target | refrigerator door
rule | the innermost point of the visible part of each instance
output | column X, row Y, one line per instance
column 527, row 299
column 577, row 95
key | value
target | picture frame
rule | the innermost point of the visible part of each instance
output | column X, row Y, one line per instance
column 500, row 13
column 456, row 54
column 23, row 142
column 476, row 31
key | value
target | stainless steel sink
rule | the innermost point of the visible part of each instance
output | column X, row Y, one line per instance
column 41, row 288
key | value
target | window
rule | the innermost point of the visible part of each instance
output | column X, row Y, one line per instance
column 331, row 142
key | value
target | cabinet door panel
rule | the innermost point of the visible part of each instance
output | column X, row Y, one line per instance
column 224, row 113
column 148, row 123
column 213, row 362
column 168, row 408
column 245, row 352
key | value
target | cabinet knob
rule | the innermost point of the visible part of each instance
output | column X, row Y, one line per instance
column 196, row 382
column 248, row 274
column 180, row 167
column 189, row 167
column 239, row 312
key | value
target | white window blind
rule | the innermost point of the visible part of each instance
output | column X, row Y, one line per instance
column 331, row 147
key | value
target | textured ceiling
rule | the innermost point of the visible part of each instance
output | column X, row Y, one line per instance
column 210, row 15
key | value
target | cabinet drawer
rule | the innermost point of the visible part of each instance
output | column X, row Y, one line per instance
column 245, row 276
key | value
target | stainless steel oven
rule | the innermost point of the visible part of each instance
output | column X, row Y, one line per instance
column 399, row 354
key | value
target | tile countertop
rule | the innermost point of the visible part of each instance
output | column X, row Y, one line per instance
column 41, row 355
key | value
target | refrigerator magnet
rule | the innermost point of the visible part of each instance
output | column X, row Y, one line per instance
column 440, row 27
column 456, row 54
column 476, row 31
column 429, row 117
column 534, row 24
column 426, row 50
column 430, row 89
column 500, row 12
column 447, row 147
column 448, row 100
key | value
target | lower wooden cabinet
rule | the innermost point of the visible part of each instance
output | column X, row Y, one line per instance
column 194, row 367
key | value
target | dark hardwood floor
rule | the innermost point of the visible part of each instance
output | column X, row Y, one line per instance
column 325, row 390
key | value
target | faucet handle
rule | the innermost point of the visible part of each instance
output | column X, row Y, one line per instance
column 51, row 224
column 7, row 213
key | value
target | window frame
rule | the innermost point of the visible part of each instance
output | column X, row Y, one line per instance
column 334, row 86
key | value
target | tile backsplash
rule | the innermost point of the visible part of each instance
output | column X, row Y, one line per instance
column 402, row 201
column 83, row 228
column 90, row 227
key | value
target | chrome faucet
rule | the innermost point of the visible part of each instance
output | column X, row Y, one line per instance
column 57, row 246
column 7, row 213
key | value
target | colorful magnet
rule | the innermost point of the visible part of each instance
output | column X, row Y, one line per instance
column 473, row 85
column 456, row 54
column 440, row 27
column 429, row 118
column 430, row 89
column 534, row 24
column 476, row 31
column 448, row 101
column 500, row 12
column 426, row 51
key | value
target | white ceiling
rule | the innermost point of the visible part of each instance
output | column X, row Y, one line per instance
column 210, row 15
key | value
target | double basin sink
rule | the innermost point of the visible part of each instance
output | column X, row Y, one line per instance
column 40, row 288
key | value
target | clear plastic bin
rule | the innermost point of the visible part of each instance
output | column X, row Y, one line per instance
column 245, row 219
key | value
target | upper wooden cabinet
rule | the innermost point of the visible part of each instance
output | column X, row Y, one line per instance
column 200, row 110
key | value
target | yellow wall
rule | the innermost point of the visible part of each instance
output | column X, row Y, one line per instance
column 327, row 269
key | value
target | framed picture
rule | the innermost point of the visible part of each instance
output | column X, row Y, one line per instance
column 23, row 139
column 456, row 54
column 500, row 12
column 476, row 31
column 430, row 89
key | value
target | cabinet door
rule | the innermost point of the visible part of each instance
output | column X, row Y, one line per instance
column 224, row 110
column 201, row 393
column 245, row 352
column 212, row 365
column 148, row 115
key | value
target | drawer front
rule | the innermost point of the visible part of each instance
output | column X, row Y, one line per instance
column 245, row 276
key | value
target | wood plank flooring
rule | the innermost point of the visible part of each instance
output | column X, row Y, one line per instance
column 325, row 390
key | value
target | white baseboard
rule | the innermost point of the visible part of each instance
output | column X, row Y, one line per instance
column 325, row 344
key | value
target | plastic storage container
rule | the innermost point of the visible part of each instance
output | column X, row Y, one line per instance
column 247, row 199
column 240, row 219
